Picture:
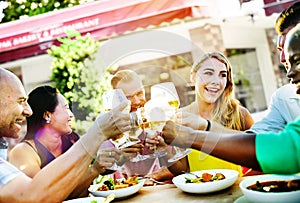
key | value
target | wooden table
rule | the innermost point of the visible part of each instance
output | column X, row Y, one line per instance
column 170, row 193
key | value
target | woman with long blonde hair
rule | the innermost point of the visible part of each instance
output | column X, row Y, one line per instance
column 214, row 103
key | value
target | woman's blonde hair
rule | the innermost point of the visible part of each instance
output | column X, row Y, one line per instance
column 227, row 110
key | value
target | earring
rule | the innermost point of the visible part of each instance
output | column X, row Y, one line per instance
column 47, row 120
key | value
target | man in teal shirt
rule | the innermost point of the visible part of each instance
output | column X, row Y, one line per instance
column 285, row 102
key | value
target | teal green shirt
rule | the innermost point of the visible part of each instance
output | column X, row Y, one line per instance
column 280, row 152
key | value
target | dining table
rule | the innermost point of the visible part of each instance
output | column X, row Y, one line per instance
column 165, row 193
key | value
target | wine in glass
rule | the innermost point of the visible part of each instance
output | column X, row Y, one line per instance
column 167, row 91
column 135, row 132
column 156, row 115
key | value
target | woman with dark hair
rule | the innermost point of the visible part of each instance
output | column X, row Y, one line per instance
column 49, row 134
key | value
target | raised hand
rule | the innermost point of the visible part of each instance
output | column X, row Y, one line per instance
column 132, row 151
column 106, row 158
column 114, row 122
column 176, row 135
column 155, row 142
column 191, row 120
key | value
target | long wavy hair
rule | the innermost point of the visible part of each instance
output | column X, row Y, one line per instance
column 41, row 100
column 226, row 110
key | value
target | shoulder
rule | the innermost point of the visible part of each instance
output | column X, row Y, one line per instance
column 24, row 146
column 23, row 149
column 244, row 111
column 246, row 117
column 285, row 91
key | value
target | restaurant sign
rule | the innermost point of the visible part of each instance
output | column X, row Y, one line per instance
column 48, row 34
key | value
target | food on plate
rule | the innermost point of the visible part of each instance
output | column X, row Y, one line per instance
column 205, row 177
column 112, row 184
column 276, row 186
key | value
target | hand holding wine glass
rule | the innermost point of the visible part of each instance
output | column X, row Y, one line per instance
column 167, row 91
column 157, row 112
column 107, row 158
column 191, row 120
column 111, row 99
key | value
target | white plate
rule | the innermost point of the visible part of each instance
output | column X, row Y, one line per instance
column 270, row 197
column 85, row 200
column 230, row 178
column 124, row 192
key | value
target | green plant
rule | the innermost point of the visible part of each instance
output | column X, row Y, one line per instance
column 19, row 9
column 74, row 74
column 241, row 80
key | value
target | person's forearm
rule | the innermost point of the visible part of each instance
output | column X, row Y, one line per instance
column 236, row 148
column 82, row 188
column 57, row 180
column 218, row 128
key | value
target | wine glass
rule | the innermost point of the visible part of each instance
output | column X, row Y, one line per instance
column 136, row 129
column 111, row 99
column 156, row 114
column 167, row 91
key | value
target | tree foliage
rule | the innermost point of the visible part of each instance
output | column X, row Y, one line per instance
column 25, row 8
column 76, row 77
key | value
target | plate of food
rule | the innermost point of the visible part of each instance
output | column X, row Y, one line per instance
column 120, row 188
column 272, row 188
column 86, row 200
column 206, row 181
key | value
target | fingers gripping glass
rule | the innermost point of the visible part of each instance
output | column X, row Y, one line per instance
column 168, row 91
column 136, row 130
column 111, row 99
column 110, row 154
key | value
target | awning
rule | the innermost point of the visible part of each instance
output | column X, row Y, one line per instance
column 102, row 19
column 274, row 6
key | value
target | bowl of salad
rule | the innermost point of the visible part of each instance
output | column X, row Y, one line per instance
column 206, row 181
column 120, row 187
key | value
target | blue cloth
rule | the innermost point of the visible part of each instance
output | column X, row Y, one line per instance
column 284, row 108
column 280, row 152
column 7, row 172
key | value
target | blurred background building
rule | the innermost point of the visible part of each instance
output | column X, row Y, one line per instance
column 241, row 29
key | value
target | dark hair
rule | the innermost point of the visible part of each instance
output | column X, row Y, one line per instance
column 293, row 39
column 288, row 17
column 41, row 100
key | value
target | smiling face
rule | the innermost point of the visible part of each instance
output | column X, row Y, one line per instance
column 13, row 105
column 134, row 92
column 61, row 117
column 210, row 80
column 292, row 55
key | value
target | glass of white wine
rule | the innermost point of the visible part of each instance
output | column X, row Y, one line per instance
column 155, row 119
column 167, row 91
column 135, row 132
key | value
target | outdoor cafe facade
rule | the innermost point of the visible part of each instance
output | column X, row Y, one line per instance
column 248, row 44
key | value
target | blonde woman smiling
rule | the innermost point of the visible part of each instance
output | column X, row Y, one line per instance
column 214, row 103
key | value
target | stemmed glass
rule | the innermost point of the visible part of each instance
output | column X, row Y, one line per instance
column 167, row 91
column 154, row 127
column 136, row 129
column 112, row 99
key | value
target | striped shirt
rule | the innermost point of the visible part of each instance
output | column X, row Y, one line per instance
column 7, row 172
